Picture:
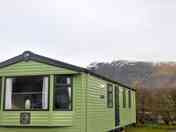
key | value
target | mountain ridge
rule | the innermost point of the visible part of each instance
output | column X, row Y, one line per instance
column 148, row 74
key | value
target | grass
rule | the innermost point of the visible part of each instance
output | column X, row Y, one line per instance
column 152, row 129
column 146, row 130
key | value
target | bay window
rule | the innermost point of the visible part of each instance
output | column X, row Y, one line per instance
column 26, row 93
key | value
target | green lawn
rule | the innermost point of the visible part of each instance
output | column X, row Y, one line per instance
column 147, row 129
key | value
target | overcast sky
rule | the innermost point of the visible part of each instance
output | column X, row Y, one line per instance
column 84, row 31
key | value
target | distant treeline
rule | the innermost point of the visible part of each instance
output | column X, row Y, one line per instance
column 156, row 105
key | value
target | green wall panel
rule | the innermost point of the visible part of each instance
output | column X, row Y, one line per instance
column 99, row 117
column 89, row 114
column 32, row 68
column 127, row 115
column 61, row 121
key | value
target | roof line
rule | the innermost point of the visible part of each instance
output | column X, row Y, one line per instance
column 28, row 55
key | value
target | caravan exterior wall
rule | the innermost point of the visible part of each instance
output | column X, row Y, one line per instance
column 88, row 105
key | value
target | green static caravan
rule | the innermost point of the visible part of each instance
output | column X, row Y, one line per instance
column 39, row 94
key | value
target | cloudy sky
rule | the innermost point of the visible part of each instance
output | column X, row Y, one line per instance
column 85, row 31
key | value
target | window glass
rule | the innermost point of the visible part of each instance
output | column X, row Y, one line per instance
column 129, row 98
column 124, row 98
column 63, row 80
column 26, row 93
column 117, row 97
column 63, row 93
column 109, row 96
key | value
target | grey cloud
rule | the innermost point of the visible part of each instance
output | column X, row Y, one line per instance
column 83, row 31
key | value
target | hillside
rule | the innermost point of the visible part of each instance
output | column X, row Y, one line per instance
column 153, row 75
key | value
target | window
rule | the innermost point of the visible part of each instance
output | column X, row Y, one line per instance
column 117, row 97
column 0, row 90
column 26, row 93
column 63, row 93
column 129, row 98
column 124, row 98
column 109, row 96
